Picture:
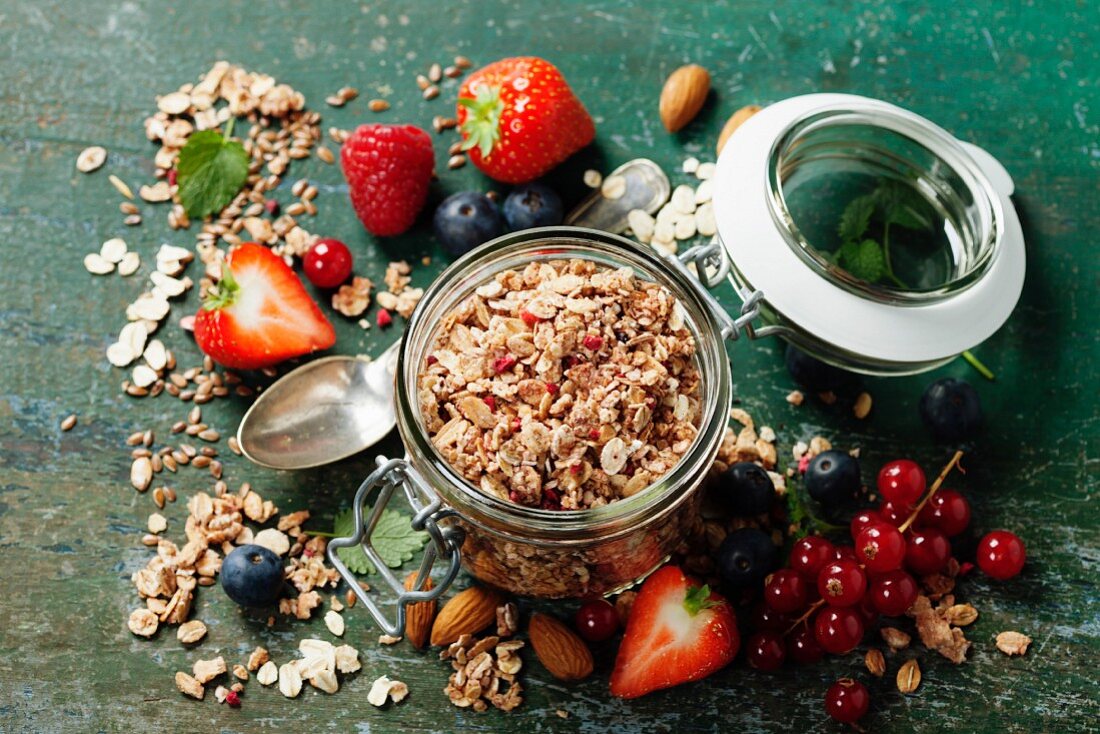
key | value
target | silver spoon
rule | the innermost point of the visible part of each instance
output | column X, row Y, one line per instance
column 321, row 412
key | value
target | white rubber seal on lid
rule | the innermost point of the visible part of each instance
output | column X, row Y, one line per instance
column 876, row 330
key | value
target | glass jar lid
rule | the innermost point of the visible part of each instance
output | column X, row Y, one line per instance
column 870, row 228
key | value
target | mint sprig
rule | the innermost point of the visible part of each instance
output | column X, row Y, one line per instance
column 891, row 203
column 211, row 170
column 393, row 538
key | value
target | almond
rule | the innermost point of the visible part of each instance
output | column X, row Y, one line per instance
column 559, row 649
column 736, row 120
column 467, row 613
column 419, row 616
column 683, row 96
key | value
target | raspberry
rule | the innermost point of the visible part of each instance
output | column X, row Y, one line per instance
column 593, row 342
column 388, row 169
column 490, row 401
column 552, row 388
column 384, row 318
column 503, row 364
column 233, row 698
column 529, row 318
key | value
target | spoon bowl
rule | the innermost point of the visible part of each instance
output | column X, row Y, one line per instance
column 321, row 412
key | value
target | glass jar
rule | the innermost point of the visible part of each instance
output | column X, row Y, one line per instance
column 526, row 550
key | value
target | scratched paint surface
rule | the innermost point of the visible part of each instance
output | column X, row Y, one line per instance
column 1021, row 82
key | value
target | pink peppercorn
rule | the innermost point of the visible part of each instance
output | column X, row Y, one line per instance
column 233, row 699
column 384, row 318
column 272, row 207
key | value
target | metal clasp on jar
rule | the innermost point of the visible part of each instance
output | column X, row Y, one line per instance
column 711, row 268
column 428, row 512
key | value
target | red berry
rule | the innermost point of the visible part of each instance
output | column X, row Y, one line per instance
column 432, row 359
column 233, row 698
column 592, row 342
column 596, row 620
column 327, row 263
column 593, row 434
column 384, row 319
column 529, row 318
column 172, row 174
column 901, row 482
column 947, row 511
column 880, row 547
column 503, row 364
column 389, row 169
column 766, row 619
column 893, row 593
column 847, row 701
column 894, row 514
column 809, row 554
column 846, row 553
column 491, row 401
column 271, row 207
column 862, row 520
column 576, row 468
column 786, row 591
column 867, row 610
column 1001, row 554
column 838, row 629
column 842, row 583
column 927, row 551
column 803, row 648
column 552, row 388
column 766, row 651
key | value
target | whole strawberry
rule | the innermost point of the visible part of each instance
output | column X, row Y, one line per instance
column 519, row 119
column 388, row 168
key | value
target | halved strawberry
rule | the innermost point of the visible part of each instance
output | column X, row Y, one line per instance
column 677, row 632
column 259, row 314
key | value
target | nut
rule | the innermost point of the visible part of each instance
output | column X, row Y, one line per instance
column 467, row 613
column 908, row 676
column 189, row 685
column 895, row 638
column 559, row 649
column 419, row 616
column 190, row 632
column 1013, row 643
column 683, row 96
column 875, row 662
column 736, row 120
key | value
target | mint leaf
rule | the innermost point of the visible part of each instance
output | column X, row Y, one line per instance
column 864, row 260
column 211, row 170
column 856, row 218
column 902, row 205
column 393, row 538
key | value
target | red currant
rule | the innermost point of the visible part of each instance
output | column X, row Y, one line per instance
column 1001, row 554
column 765, row 619
column 809, row 554
column 927, row 551
column 867, row 610
column 766, row 651
column 596, row 620
column 842, row 583
column 901, row 482
column 947, row 511
column 863, row 519
column 893, row 593
column 803, row 648
column 880, row 547
column 847, row 701
column 327, row 263
column 894, row 514
column 785, row 591
column 838, row 629
column 846, row 553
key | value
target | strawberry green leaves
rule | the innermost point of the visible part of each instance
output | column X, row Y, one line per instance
column 482, row 127
column 393, row 538
column 211, row 170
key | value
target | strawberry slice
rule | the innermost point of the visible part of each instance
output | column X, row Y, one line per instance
column 259, row 314
column 677, row 632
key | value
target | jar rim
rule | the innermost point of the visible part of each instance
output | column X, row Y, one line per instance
column 918, row 131
column 502, row 516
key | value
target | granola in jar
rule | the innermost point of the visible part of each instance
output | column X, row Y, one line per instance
column 564, row 386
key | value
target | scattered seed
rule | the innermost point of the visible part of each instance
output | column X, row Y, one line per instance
column 141, row 474
column 91, row 159
column 452, row 72
column 422, row 82
column 132, row 221
column 209, row 435
column 435, row 73
column 234, row 446
column 68, row 423
column 150, row 540
column 613, row 187
column 462, row 62
column 875, row 662
column 456, row 161
column 158, row 497
column 170, row 494
column 862, row 406
column 592, row 178
column 378, row 105
column 908, row 676
column 157, row 523
column 121, row 186
column 431, row 92
column 325, row 154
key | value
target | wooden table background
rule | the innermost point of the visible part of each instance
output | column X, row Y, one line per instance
column 1021, row 81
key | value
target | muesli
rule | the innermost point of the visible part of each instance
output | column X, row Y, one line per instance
column 564, row 386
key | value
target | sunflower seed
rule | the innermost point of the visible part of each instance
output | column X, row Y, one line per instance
column 68, row 423
column 378, row 105
column 456, row 161
column 121, row 186
column 431, row 92
column 325, row 154
column 462, row 62
column 91, row 159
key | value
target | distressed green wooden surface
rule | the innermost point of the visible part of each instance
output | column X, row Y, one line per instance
column 1022, row 82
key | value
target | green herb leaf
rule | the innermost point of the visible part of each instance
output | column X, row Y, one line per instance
column 902, row 205
column 864, row 260
column 210, row 172
column 393, row 538
column 856, row 218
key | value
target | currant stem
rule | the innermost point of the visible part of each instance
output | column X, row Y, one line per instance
column 931, row 492
column 976, row 363
column 813, row 608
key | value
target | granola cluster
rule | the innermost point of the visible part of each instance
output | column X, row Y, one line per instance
column 563, row 386
column 485, row 672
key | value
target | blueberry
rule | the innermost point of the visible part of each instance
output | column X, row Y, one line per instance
column 832, row 478
column 532, row 205
column 465, row 220
column 951, row 408
column 252, row 576
column 745, row 557
column 815, row 375
column 746, row 489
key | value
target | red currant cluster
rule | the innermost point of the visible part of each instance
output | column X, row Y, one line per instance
column 839, row 590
